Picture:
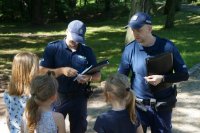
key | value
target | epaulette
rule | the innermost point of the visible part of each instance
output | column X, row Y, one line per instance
column 129, row 43
column 54, row 42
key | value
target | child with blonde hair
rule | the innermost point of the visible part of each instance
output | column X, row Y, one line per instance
column 122, row 117
column 39, row 116
column 24, row 67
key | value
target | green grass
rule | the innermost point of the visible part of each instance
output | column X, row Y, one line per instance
column 185, row 35
column 105, row 37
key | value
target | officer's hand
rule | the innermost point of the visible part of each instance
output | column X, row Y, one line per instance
column 69, row 72
column 83, row 78
column 154, row 79
column 103, row 84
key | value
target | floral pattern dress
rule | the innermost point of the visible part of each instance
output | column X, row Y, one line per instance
column 15, row 106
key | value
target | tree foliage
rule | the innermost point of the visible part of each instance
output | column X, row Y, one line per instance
column 39, row 12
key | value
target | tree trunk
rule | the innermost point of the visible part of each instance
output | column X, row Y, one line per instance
column 11, row 10
column 169, row 3
column 153, row 6
column 167, row 7
column 37, row 12
column 169, row 23
column 51, row 11
column 107, row 4
column 178, row 5
column 71, row 4
column 59, row 9
column 137, row 6
column 85, row 2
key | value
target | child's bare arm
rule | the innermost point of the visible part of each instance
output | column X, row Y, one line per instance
column 60, row 121
column 139, row 129
column 22, row 127
column 7, row 119
column 23, row 124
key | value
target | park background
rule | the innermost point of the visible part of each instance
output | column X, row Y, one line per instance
column 28, row 25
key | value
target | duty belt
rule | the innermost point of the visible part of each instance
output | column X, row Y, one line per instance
column 141, row 103
column 150, row 101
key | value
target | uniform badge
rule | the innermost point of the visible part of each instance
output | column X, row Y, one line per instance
column 80, row 31
column 135, row 17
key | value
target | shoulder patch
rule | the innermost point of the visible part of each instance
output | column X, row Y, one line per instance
column 54, row 41
column 164, row 40
column 129, row 43
column 184, row 66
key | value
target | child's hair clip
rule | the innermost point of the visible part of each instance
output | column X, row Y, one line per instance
column 127, row 89
column 49, row 73
column 33, row 94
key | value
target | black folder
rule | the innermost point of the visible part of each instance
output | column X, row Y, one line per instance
column 160, row 65
column 95, row 68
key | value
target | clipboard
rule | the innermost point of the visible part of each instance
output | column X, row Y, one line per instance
column 160, row 65
column 95, row 68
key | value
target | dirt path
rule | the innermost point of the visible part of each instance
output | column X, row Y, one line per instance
column 186, row 115
column 186, row 118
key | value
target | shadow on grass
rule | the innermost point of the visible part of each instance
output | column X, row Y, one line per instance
column 107, row 48
column 106, row 43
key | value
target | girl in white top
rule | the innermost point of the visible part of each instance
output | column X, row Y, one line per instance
column 24, row 67
column 38, row 115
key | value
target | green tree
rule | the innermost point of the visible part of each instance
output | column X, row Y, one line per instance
column 170, row 5
column 37, row 12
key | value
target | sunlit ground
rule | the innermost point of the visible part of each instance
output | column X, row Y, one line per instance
column 186, row 116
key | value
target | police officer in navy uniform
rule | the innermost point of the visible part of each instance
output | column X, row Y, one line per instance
column 151, row 110
column 68, row 58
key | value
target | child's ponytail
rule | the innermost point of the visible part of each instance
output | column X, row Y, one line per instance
column 32, row 114
column 131, row 105
column 119, row 85
column 43, row 87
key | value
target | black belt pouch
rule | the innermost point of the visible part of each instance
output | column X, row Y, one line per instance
column 168, row 103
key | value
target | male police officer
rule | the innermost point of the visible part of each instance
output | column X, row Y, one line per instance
column 151, row 110
column 68, row 58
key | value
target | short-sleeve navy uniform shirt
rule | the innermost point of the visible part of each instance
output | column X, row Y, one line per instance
column 115, row 122
column 133, row 59
column 57, row 54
